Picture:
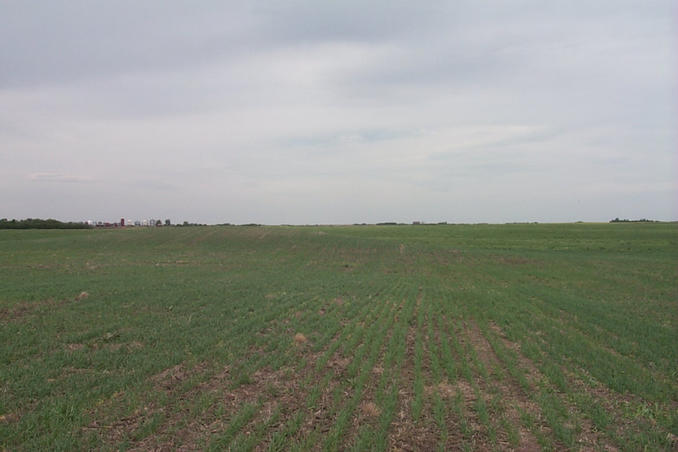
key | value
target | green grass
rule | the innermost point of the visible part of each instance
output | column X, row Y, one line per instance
column 462, row 336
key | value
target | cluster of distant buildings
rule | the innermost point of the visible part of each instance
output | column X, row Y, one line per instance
column 126, row 222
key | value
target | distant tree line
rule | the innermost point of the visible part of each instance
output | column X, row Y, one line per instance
column 188, row 224
column 394, row 223
column 37, row 223
column 625, row 220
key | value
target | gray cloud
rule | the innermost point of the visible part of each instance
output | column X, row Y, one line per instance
column 58, row 177
column 300, row 112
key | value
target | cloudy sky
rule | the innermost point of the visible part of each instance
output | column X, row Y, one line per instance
column 339, row 112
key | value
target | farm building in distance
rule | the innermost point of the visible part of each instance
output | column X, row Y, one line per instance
column 128, row 222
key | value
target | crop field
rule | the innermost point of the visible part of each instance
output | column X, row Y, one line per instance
column 441, row 337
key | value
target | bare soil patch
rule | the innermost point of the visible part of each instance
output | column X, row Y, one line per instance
column 25, row 308
column 270, row 390
column 169, row 381
column 320, row 417
column 370, row 409
column 135, row 345
column 170, row 378
column 300, row 339
column 9, row 417
column 119, row 429
column 267, row 388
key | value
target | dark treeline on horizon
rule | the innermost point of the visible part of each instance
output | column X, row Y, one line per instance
column 37, row 223
column 625, row 220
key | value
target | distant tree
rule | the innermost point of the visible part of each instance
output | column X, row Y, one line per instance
column 168, row 222
column 158, row 223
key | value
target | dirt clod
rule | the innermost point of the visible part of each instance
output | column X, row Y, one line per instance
column 10, row 417
column 370, row 409
column 300, row 339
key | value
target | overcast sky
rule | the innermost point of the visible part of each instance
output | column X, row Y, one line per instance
column 339, row 112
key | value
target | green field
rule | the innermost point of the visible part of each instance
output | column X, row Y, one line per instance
column 448, row 337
